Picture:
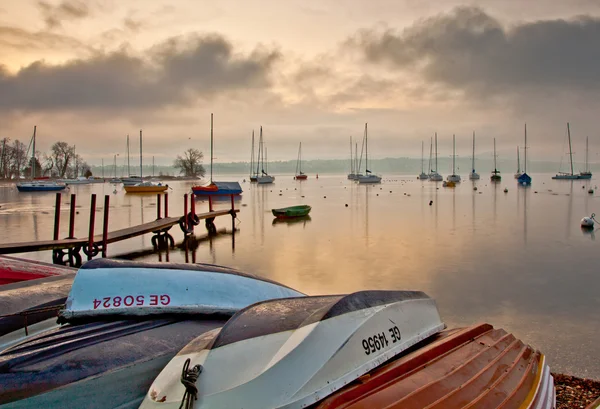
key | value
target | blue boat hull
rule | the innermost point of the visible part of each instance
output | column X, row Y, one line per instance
column 40, row 188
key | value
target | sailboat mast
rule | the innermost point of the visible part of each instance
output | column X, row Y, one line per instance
column 525, row 149
column 518, row 161
column 453, row 154
column 430, row 152
column 128, row 163
column 351, row 158
column 436, row 163
column 356, row 166
column 366, row 150
column 141, row 172
column 473, row 157
column 259, row 156
column 570, row 151
column 300, row 157
column 422, row 153
column 495, row 167
column 33, row 154
column 211, row 147
column 586, row 154
column 115, row 166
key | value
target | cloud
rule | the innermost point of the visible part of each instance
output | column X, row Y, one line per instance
column 469, row 49
column 66, row 10
column 177, row 71
column 12, row 38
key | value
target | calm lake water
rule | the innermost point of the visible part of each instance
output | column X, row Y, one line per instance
column 518, row 260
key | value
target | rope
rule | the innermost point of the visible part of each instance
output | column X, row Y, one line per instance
column 188, row 379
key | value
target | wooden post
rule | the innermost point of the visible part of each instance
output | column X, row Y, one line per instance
column 166, row 205
column 185, row 210
column 72, row 217
column 57, row 216
column 92, row 222
column 210, row 204
column 105, row 225
column 158, row 207
column 232, row 214
column 192, row 210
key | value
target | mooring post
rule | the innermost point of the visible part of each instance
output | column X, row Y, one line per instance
column 232, row 215
column 166, row 205
column 158, row 207
column 72, row 217
column 192, row 210
column 105, row 225
column 185, row 216
column 91, row 231
column 210, row 204
column 57, row 216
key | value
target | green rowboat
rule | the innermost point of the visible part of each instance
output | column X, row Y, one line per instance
column 292, row 211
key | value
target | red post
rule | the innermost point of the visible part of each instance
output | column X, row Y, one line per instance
column 72, row 217
column 210, row 204
column 158, row 207
column 57, row 217
column 192, row 209
column 185, row 210
column 166, row 205
column 92, row 222
column 105, row 225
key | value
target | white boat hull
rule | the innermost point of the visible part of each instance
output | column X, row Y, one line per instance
column 369, row 179
column 263, row 180
column 453, row 178
column 474, row 176
column 423, row 176
column 435, row 177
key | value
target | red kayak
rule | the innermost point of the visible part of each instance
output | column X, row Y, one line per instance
column 13, row 269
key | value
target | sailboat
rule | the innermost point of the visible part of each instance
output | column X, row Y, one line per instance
column 353, row 171
column 434, row 176
column 130, row 180
column 264, row 177
column 454, row 178
column 216, row 188
column 253, row 175
column 495, row 173
column 473, row 175
column 564, row 175
column 368, row 177
column 524, row 179
column 423, row 175
column 115, row 179
column 38, row 185
column 586, row 174
column 145, row 187
column 518, row 173
column 299, row 174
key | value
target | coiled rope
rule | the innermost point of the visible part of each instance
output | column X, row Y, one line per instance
column 188, row 379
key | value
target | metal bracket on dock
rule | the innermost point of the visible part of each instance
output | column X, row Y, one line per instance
column 162, row 239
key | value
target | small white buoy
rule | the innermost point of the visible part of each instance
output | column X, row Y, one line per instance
column 587, row 222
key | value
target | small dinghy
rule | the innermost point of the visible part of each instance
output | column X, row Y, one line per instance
column 292, row 211
column 294, row 352
column 123, row 322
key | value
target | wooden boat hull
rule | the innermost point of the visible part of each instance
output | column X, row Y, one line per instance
column 479, row 366
column 145, row 189
column 292, row 212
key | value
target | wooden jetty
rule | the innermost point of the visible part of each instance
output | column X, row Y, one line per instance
column 67, row 251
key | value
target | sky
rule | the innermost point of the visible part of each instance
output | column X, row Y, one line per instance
column 91, row 72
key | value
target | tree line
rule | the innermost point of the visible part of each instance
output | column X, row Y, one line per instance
column 62, row 161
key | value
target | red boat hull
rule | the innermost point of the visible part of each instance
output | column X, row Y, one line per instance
column 14, row 269
column 301, row 177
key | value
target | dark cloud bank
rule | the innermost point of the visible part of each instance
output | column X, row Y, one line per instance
column 177, row 71
column 469, row 49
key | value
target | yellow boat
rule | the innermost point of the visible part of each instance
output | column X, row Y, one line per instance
column 146, row 187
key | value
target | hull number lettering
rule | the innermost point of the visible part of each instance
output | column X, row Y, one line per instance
column 132, row 301
column 379, row 341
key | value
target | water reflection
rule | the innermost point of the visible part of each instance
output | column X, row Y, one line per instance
column 292, row 221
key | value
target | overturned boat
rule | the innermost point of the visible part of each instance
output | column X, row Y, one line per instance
column 122, row 323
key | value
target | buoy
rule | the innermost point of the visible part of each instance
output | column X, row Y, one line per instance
column 591, row 191
column 430, row 202
column 390, row 191
column 505, row 190
column 302, row 196
column 377, row 194
column 324, row 197
column 475, row 188
column 587, row 222
column 583, row 187
column 346, row 204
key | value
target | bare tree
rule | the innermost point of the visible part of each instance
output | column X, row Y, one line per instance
column 17, row 159
column 62, row 155
column 190, row 164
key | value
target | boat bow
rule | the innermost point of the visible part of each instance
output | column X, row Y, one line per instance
column 290, row 353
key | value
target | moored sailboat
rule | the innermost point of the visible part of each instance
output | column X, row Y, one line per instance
column 353, row 171
column 299, row 174
column 263, row 177
column 454, row 178
column 434, row 176
column 38, row 185
column 565, row 175
column 524, row 179
column 216, row 188
column 495, row 173
column 423, row 175
column 368, row 177
column 144, row 187
column 473, row 175
column 253, row 175
column 586, row 174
